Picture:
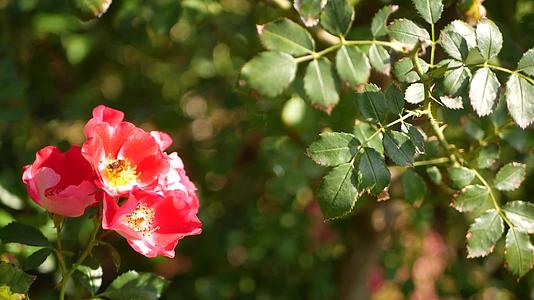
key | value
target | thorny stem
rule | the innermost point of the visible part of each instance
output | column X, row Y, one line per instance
column 316, row 55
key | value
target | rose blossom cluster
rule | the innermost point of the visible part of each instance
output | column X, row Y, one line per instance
column 147, row 196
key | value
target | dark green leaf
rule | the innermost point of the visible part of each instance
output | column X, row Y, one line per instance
column 399, row 148
column 404, row 70
column 373, row 104
column 461, row 177
column 456, row 79
column 90, row 279
column 396, row 100
column 352, row 65
column 521, row 214
column 407, row 32
column 415, row 93
column 333, row 148
column 337, row 193
column 15, row 278
column 485, row 231
column 380, row 59
column 470, row 198
column 136, row 286
column 430, row 10
column 286, row 36
column 483, row 91
column 270, row 73
column 15, row 232
column 37, row 258
column 364, row 131
column 454, row 44
column 489, row 38
column 510, row 176
column 379, row 22
column 520, row 100
column 337, row 16
column 320, row 85
column 309, row 11
column 414, row 187
column 373, row 173
column 416, row 137
column 463, row 29
column 434, row 174
column 519, row 252
column 526, row 63
column 488, row 156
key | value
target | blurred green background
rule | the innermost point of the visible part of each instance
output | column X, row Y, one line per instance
column 174, row 66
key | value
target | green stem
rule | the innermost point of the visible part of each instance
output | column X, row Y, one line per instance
column 505, row 70
column 316, row 55
column 493, row 199
column 433, row 47
column 439, row 133
column 440, row 160
column 93, row 241
column 59, row 248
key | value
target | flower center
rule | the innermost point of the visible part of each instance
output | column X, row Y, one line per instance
column 121, row 173
column 141, row 220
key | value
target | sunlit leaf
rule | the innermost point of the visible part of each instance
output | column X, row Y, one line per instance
column 519, row 252
column 379, row 22
column 319, row 84
column 526, row 63
column 483, row 91
column 333, row 148
column 520, row 100
column 380, row 59
column 484, row 233
column 430, row 10
column 408, row 33
column 415, row 135
column 136, row 286
column 510, row 176
column 454, row 44
column 415, row 93
column 364, row 131
column 521, row 214
column 286, row 36
column 270, row 73
column 470, row 198
column 489, row 38
column 464, row 30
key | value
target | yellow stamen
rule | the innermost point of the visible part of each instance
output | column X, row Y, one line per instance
column 141, row 220
column 120, row 173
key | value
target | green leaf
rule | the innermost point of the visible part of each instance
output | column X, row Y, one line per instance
column 415, row 93
column 333, row 148
column 430, row 10
column 396, row 98
column 484, row 233
column 470, row 198
column 364, row 131
column 461, row 177
column 483, row 91
column 90, row 279
column 489, row 38
column 286, row 36
column 352, row 65
column 407, row 32
column 404, row 70
column 15, row 232
column 320, row 86
column 309, row 11
column 434, row 174
column 136, row 286
column 414, row 187
column 454, row 44
column 521, row 214
column 380, row 59
column 452, row 103
column 373, row 173
column 456, row 79
column 380, row 19
column 372, row 104
column 37, row 258
column 89, row 9
column 416, row 137
column 526, row 63
column 270, row 73
column 463, row 29
column 15, row 278
column 519, row 252
column 399, row 148
column 337, row 193
column 488, row 156
column 520, row 100
column 510, row 176
column 337, row 17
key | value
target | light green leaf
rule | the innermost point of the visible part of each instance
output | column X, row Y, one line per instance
column 270, row 73
column 434, row 174
column 395, row 100
column 380, row 59
column 333, row 148
column 364, row 131
column 470, row 198
column 337, row 17
column 454, row 44
column 452, row 103
column 415, row 93
column 399, row 147
column 352, row 65
column 416, row 137
column 461, row 177
column 483, row 91
column 404, row 70
column 373, row 173
column 488, row 156
column 337, row 193
column 430, row 10
column 37, row 258
column 484, row 233
column 526, row 63
column 380, row 19
column 407, row 32
column 309, row 11
column 489, row 38
column 520, row 100
column 15, row 278
column 521, row 214
column 519, row 252
column 90, row 279
column 414, row 187
column 372, row 104
column 510, row 176
column 15, row 232
column 136, row 286
column 286, row 36
column 456, row 79
column 463, row 29
column 319, row 84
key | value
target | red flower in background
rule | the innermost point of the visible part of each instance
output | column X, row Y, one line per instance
column 62, row 183
column 152, row 222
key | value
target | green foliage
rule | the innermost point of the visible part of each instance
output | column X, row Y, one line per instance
column 414, row 187
column 510, row 176
column 372, row 104
column 320, row 85
column 380, row 19
column 37, row 258
column 136, row 286
column 526, row 63
column 484, row 233
column 338, row 194
column 286, row 36
column 408, row 33
column 470, row 198
column 333, row 148
column 14, row 278
column 399, row 147
column 519, row 252
column 520, row 100
column 521, row 215
column 373, row 173
column 483, row 91
column 337, row 17
column 352, row 65
column 461, row 177
column 415, row 93
column 23, row 234
column 489, row 39
column 90, row 279
column 430, row 10
column 270, row 72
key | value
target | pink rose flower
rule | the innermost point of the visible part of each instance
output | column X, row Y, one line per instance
column 151, row 222
column 62, row 183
